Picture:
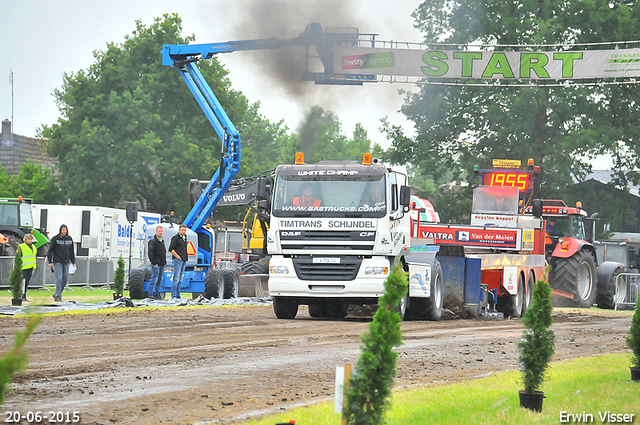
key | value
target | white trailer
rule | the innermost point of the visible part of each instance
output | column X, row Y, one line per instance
column 98, row 231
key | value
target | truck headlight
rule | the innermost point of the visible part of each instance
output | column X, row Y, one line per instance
column 279, row 269
column 376, row 270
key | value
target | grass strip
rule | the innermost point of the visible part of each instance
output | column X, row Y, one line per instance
column 591, row 385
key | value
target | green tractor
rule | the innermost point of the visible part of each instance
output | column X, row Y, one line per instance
column 16, row 220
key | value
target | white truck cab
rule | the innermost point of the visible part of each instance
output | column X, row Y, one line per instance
column 336, row 229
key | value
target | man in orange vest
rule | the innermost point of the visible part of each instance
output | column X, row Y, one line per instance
column 307, row 199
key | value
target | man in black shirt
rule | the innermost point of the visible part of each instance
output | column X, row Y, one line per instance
column 158, row 258
column 178, row 248
column 61, row 254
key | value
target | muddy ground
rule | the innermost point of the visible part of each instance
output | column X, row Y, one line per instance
column 224, row 365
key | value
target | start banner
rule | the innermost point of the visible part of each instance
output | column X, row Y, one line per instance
column 463, row 64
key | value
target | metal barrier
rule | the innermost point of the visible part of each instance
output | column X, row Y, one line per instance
column 626, row 295
column 92, row 271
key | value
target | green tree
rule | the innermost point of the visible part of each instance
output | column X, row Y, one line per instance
column 38, row 183
column 6, row 183
column 560, row 127
column 33, row 181
column 633, row 339
column 131, row 130
column 538, row 340
column 118, row 279
column 16, row 277
column 370, row 387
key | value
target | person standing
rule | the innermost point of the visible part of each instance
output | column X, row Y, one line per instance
column 158, row 258
column 178, row 248
column 61, row 254
column 28, row 252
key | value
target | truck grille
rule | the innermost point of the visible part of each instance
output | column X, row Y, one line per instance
column 347, row 269
column 329, row 247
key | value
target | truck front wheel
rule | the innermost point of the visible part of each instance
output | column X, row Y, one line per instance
column 285, row 308
column 403, row 306
column 429, row 308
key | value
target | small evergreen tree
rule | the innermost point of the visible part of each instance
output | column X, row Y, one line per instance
column 118, row 279
column 538, row 340
column 368, row 395
column 633, row 339
column 15, row 360
column 15, row 280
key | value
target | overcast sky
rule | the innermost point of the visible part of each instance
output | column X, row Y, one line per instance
column 42, row 39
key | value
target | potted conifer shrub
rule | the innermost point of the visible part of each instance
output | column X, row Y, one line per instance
column 15, row 281
column 536, row 346
column 633, row 342
column 118, row 280
column 370, row 387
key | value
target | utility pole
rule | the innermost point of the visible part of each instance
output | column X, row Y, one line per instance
column 11, row 82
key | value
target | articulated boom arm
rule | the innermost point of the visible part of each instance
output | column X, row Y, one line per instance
column 185, row 57
column 228, row 134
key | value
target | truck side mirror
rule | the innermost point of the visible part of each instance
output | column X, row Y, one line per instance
column 264, row 191
column 537, row 208
column 405, row 197
column 239, row 220
column 264, row 205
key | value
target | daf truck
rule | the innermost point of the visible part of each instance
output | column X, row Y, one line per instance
column 331, row 242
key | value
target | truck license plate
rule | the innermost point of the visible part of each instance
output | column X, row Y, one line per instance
column 326, row 261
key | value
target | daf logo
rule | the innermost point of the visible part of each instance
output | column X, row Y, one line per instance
column 366, row 234
column 291, row 233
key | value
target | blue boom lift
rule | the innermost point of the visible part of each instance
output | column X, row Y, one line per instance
column 199, row 277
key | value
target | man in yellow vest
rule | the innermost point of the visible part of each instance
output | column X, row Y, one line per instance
column 28, row 252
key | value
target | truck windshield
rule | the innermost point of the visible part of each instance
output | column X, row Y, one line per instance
column 496, row 200
column 9, row 215
column 330, row 196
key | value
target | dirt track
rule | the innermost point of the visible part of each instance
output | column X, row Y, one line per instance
column 223, row 365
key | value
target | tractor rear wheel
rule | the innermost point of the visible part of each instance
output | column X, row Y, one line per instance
column 43, row 251
column 11, row 247
column 213, row 284
column 230, row 277
column 615, row 293
column 576, row 275
column 255, row 267
column 136, row 285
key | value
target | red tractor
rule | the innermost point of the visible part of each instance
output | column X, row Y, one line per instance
column 572, row 257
